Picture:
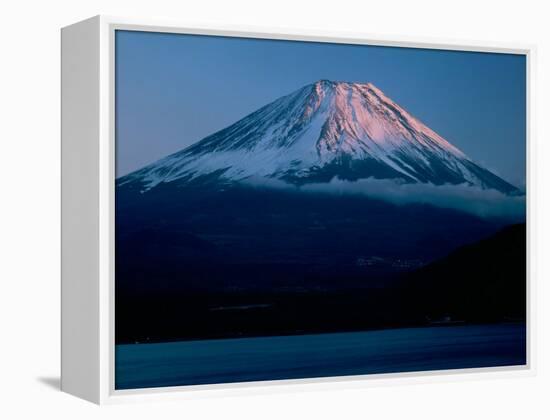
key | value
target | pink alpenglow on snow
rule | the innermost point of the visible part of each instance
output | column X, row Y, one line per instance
column 323, row 131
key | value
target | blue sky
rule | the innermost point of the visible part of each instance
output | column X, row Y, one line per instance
column 173, row 90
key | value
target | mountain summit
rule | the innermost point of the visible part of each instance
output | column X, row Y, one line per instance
column 322, row 131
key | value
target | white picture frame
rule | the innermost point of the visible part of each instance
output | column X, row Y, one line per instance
column 88, row 157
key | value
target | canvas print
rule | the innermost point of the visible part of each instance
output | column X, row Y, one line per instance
column 290, row 210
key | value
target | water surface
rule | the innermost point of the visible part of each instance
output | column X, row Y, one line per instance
column 319, row 355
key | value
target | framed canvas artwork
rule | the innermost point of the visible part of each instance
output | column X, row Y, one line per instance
column 241, row 208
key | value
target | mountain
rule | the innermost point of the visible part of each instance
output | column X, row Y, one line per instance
column 482, row 281
column 324, row 130
column 195, row 239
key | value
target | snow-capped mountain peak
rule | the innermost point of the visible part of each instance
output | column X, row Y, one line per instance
column 323, row 130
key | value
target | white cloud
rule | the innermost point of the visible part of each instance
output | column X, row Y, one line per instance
column 486, row 203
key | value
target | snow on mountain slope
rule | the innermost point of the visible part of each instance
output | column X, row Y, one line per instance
column 322, row 131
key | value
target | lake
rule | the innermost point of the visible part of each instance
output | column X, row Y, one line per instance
column 319, row 355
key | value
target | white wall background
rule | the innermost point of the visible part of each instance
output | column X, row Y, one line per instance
column 29, row 206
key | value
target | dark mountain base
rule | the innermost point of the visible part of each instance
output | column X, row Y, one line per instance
column 483, row 281
column 243, row 262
